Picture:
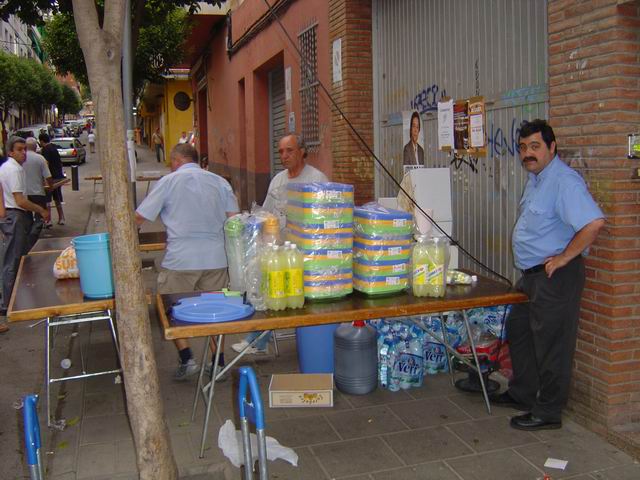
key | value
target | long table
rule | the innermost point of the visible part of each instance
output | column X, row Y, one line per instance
column 485, row 292
column 149, row 242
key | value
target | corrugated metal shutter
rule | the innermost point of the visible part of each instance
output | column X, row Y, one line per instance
column 459, row 48
column 277, row 117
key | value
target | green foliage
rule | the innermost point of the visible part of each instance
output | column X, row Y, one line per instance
column 61, row 44
column 70, row 103
column 9, row 83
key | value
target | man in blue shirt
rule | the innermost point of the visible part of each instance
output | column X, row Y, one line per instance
column 193, row 205
column 558, row 221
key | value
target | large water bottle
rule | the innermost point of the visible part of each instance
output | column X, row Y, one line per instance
column 294, row 276
column 275, row 298
column 355, row 358
column 234, row 245
column 437, row 254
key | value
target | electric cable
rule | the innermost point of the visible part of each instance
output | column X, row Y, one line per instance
column 312, row 75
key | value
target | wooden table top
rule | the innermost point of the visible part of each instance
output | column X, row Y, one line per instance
column 141, row 177
column 38, row 294
column 149, row 241
column 356, row 306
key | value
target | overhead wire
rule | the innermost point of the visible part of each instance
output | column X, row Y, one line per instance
column 311, row 74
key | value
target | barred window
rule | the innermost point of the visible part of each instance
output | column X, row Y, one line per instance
column 309, row 86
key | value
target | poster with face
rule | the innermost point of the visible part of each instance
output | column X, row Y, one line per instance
column 413, row 138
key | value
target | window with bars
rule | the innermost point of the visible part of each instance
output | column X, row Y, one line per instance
column 309, row 87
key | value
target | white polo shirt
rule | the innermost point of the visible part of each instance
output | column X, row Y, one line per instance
column 13, row 180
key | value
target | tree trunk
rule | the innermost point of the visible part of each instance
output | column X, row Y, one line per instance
column 102, row 49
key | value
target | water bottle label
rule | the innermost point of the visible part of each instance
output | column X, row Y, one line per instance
column 276, row 284
column 420, row 274
column 435, row 274
column 294, row 283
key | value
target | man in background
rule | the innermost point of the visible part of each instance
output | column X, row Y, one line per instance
column 37, row 174
column 413, row 153
column 52, row 156
column 158, row 143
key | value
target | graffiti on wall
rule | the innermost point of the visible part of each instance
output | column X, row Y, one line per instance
column 427, row 99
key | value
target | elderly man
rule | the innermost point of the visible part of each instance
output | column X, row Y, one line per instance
column 293, row 153
column 36, row 173
column 18, row 219
column 52, row 156
column 193, row 205
column 558, row 221
column 413, row 153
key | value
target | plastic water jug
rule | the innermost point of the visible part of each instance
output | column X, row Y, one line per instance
column 233, row 230
column 356, row 358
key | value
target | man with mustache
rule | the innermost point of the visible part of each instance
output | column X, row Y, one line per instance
column 558, row 221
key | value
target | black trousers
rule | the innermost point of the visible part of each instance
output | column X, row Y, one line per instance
column 38, row 221
column 15, row 226
column 542, row 338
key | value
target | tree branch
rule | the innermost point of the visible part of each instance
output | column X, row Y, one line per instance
column 113, row 18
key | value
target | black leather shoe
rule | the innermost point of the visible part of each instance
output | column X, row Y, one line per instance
column 530, row 422
column 506, row 400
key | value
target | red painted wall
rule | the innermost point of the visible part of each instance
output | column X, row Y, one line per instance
column 238, row 142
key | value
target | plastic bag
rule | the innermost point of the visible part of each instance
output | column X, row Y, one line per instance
column 230, row 441
column 66, row 265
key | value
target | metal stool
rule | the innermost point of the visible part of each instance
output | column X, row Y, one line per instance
column 251, row 410
column 32, row 436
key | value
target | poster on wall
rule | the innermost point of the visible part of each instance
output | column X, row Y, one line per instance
column 445, row 124
column 337, row 60
column 461, row 125
column 413, row 152
column 476, row 122
column 287, row 84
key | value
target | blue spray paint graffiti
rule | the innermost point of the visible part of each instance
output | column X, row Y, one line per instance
column 427, row 99
column 499, row 143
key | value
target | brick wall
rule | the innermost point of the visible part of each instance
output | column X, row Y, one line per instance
column 594, row 97
column 350, row 20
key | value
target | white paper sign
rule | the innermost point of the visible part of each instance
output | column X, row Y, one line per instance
column 445, row 124
column 337, row 60
column 477, row 131
column 287, row 84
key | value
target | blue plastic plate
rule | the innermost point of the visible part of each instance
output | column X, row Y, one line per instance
column 211, row 308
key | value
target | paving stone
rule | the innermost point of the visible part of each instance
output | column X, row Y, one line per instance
column 126, row 457
column 365, row 422
column 626, row 472
column 97, row 430
column 105, row 403
column 501, row 464
column 434, row 386
column 295, row 433
column 428, row 412
column 308, row 467
column 491, row 433
column 583, row 455
column 355, row 456
column 419, row 446
column 473, row 405
column 380, row 396
column 96, row 459
column 431, row 471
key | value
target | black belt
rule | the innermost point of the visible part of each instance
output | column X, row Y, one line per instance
column 536, row 269
column 16, row 209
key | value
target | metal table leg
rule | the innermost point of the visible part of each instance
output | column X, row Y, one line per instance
column 485, row 394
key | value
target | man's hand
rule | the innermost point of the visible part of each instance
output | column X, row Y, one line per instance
column 45, row 215
column 552, row 264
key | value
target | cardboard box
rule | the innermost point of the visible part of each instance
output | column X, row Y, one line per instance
column 301, row 390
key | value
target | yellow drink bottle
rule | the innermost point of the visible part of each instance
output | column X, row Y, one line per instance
column 276, row 296
column 419, row 262
column 294, row 276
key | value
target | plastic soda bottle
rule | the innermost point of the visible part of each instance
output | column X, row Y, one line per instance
column 233, row 230
column 294, row 281
column 276, row 296
column 419, row 263
column 271, row 230
column 437, row 254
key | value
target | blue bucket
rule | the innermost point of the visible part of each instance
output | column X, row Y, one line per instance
column 315, row 348
column 94, row 263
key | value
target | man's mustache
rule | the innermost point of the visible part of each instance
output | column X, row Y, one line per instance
column 529, row 159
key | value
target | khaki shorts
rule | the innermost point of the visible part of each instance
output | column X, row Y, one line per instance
column 178, row 281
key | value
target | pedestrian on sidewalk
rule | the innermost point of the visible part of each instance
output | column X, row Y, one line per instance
column 18, row 218
column 50, row 153
column 91, row 138
column 37, row 174
column 193, row 205
column 158, row 142
column 183, row 138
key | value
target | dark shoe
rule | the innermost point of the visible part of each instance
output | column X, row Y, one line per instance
column 530, row 422
column 506, row 400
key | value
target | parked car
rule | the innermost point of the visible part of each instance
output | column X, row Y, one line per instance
column 71, row 150
column 34, row 130
column 59, row 133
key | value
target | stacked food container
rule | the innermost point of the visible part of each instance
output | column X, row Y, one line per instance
column 320, row 223
column 382, row 249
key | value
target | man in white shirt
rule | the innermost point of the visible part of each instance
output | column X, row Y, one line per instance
column 193, row 205
column 91, row 138
column 36, row 172
column 18, row 219
column 293, row 151
column 183, row 138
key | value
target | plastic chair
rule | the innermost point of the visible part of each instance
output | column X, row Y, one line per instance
column 32, row 436
column 251, row 410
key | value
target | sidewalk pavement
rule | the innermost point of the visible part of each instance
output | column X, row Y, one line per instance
column 433, row 432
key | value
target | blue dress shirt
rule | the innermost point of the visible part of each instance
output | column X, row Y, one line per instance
column 555, row 205
column 193, row 205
